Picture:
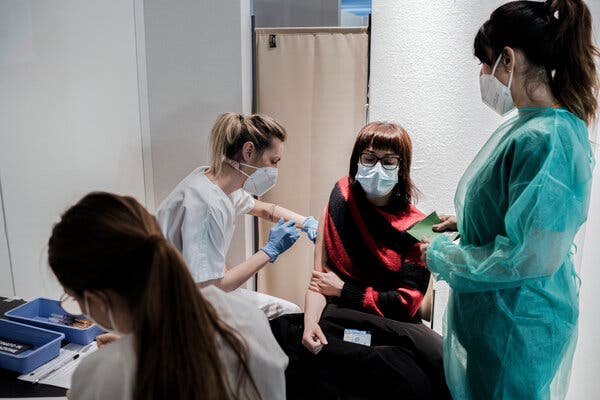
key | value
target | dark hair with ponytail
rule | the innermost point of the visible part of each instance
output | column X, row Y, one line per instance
column 107, row 241
column 556, row 38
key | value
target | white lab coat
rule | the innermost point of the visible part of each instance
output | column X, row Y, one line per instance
column 198, row 218
column 109, row 373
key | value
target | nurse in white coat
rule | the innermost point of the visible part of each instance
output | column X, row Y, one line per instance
column 176, row 342
column 198, row 217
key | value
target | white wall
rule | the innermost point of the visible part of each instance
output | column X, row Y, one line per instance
column 424, row 76
column 584, row 375
column 69, row 111
column 198, row 58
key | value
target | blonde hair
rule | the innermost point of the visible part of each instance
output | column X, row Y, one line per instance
column 232, row 130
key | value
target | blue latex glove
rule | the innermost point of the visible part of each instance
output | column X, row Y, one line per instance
column 281, row 237
column 310, row 226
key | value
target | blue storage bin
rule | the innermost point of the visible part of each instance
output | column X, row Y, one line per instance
column 45, row 346
column 36, row 312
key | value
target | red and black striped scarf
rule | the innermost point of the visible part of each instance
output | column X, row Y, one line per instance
column 369, row 244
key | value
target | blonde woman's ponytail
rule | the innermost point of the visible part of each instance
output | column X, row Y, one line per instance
column 226, row 129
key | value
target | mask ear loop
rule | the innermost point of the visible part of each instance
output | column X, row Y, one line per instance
column 112, row 321
column 248, row 165
column 87, row 308
column 510, row 77
column 236, row 166
column 496, row 65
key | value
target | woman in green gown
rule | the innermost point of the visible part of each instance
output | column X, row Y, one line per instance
column 511, row 322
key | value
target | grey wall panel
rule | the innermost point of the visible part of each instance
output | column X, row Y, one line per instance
column 6, row 278
column 295, row 13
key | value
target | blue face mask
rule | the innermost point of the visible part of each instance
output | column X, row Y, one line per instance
column 376, row 180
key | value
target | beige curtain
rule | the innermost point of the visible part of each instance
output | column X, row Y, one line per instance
column 314, row 81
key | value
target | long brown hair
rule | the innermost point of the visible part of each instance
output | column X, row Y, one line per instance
column 557, row 40
column 107, row 241
column 383, row 136
column 231, row 130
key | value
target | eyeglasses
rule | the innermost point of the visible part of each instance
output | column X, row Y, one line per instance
column 387, row 162
column 69, row 304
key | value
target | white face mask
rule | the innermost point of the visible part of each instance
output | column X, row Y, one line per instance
column 494, row 93
column 261, row 181
column 376, row 180
column 110, row 319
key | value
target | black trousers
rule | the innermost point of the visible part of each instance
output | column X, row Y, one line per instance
column 404, row 360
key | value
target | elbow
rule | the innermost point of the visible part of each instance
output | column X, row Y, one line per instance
column 220, row 283
column 226, row 287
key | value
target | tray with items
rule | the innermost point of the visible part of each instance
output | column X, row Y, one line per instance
column 48, row 314
column 24, row 348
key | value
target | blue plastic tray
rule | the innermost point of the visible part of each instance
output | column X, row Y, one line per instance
column 36, row 312
column 45, row 346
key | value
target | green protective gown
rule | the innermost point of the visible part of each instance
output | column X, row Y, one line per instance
column 511, row 323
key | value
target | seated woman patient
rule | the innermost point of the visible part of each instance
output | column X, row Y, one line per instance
column 364, row 258
column 176, row 342
column 369, row 271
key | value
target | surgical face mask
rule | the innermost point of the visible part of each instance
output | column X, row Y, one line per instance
column 261, row 181
column 376, row 180
column 494, row 94
column 110, row 319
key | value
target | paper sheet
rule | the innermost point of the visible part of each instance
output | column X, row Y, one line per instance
column 423, row 229
column 62, row 376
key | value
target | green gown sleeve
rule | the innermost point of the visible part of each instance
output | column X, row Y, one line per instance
column 545, row 207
